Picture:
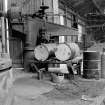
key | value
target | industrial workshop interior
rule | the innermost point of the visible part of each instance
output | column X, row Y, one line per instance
column 52, row 52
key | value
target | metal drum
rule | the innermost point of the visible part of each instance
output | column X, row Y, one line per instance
column 43, row 51
column 67, row 51
column 91, row 64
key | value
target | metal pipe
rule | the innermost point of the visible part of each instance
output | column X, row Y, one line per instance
column 5, row 4
column 3, row 34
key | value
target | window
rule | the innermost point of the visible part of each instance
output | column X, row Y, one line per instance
column 74, row 24
column 71, row 38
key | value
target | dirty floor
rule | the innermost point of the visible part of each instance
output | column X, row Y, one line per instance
column 27, row 90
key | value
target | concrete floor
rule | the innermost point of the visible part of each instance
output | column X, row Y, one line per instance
column 27, row 90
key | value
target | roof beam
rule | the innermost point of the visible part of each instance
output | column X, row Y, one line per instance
column 95, row 26
column 97, row 6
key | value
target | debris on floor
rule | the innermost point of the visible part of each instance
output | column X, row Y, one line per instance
column 77, row 88
column 78, row 91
